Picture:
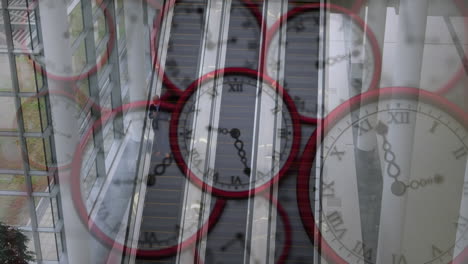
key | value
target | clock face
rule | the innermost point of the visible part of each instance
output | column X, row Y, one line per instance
column 387, row 183
column 232, row 174
column 226, row 238
column 162, row 231
column 350, row 47
column 350, row 59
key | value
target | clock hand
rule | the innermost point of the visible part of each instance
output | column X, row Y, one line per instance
column 160, row 169
column 393, row 169
column 238, row 237
column 239, row 145
column 221, row 130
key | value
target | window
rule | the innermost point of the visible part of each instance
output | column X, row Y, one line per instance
column 36, row 154
column 31, row 117
column 5, row 74
column 75, row 20
column 10, row 153
column 12, row 183
column 14, row 210
column 26, row 74
column 79, row 58
column 8, row 120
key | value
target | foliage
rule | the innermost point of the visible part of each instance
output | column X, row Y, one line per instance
column 13, row 246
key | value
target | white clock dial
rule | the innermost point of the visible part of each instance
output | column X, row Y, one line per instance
column 427, row 199
column 235, row 133
column 349, row 49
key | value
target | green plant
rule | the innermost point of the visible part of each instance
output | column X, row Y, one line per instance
column 13, row 246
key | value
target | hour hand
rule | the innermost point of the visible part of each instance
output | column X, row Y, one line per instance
column 235, row 133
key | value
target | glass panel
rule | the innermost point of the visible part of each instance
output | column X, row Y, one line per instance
column 40, row 183
column 5, row 74
column 48, row 246
column 59, row 244
column 8, row 120
column 107, row 103
column 12, row 183
column 79, row 58
column 20, row 29
column 89, row 148
column 36, row 153
column 10, row 153
column 75, row 22
column 3, row 43
column 44, row 212
column 43, row 110
column 123, row 71
column 89, row 181
column 31, row 118
column 99, row 28
column 83, row 87
column 14, row 210
column 48, row 150
column 39, row 79
column 121, row 28
column 26, row 74
column 109, row 139
column 118, row 5
column 55, row 212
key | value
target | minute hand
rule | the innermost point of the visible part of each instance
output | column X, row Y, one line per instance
column 393, row 169
column 239, row 145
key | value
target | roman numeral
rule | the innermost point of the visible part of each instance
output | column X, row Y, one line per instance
column 434, row 127
column 211, row 173
column 399, row 117
column 335, row 222
column 277, row 156
column 235, row 87
column 338, row 154
column 235, row 180
column 436, row 251
column 363, row 126
column 283, row 132
column 460, row 153
column 149, row 238
column 187, row 134
column 399, row 259
column 328, row 189
column 362, row 250
column 196, row 160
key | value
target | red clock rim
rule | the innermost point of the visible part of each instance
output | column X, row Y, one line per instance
column 376, row 53
column 95, row 231
column 96, row 67
column 308, row 156
column 228, row 72
column 287, row 232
